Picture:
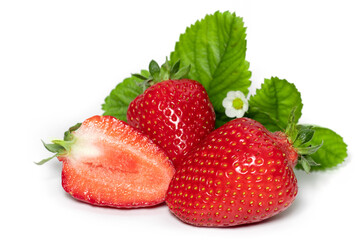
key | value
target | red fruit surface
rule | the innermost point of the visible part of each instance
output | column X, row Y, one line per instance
column 113, row 164
column 175, row 114
column 241, row 173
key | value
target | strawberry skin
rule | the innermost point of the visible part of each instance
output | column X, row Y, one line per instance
column 113, row 164
column 175, row 114
column 241, row 173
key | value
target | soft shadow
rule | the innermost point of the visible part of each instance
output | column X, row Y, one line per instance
column 293, row 209
column 55, row 167
column 315, row 178
column 92, row 206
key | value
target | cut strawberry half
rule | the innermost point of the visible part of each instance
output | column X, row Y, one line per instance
column 106, row 162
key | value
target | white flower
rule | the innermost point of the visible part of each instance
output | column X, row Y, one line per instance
column 235, row 104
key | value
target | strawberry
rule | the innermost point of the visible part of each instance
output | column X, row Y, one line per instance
column 240, row 173
column 175, row 114
column 106, row 162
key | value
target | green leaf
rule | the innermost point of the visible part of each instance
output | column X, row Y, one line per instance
column 273, row 103
column 332, row 152
column 215, row 47
column 117, row 103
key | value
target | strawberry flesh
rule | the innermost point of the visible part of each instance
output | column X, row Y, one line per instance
column 113, row 164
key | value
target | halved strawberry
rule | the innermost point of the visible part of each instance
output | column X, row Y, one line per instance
column 109, row 163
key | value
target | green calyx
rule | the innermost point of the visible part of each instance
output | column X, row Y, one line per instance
column 300, row 137
column 60, row 147
column 163, row 73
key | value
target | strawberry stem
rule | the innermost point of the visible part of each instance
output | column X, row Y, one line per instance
column 300, row 136
column 291, row 130
column 60, row 147
column 163, row 73
column 45, row 160
column 307, row 162
column 155, row 70
column 308, row 150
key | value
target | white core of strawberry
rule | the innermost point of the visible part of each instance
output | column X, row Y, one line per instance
column 84, row 148
column 93, row 145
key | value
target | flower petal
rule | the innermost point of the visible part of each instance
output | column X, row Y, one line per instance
column 240, row 113
column 246, row 105
column 227, row 103
column 231, row 94
column 230, row 112
column 240, row 95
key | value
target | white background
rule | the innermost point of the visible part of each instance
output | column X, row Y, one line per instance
column 60, row 59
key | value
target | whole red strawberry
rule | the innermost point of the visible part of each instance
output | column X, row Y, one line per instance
column 175, row 114
column 240, row 173
column 106, row 162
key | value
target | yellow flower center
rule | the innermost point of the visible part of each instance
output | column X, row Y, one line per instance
column 238, row 103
